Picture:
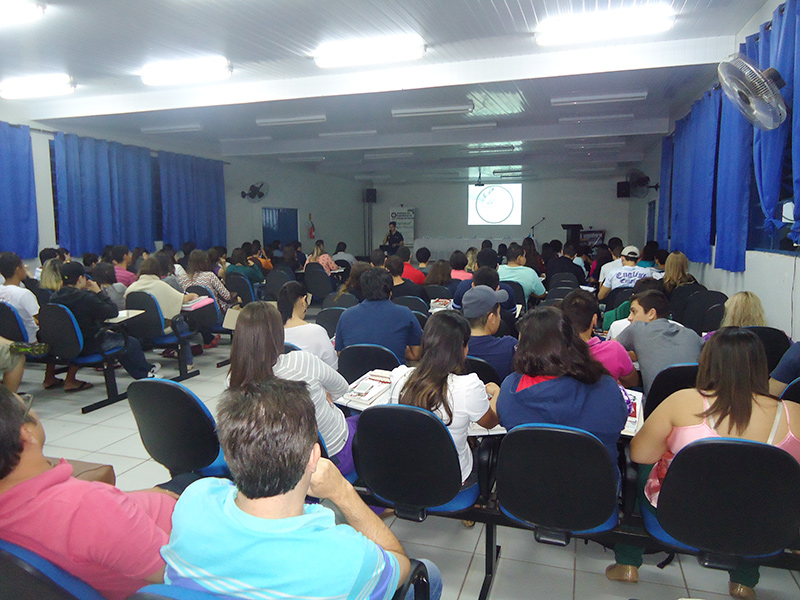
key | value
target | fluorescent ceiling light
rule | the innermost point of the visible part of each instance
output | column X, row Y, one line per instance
column 590, row 170
column 598, row 99
column 494, row 150
column 386, row 155
column 265, row 138
column 507, row 172
column 291, row 120
column 464, row 126
column 594, row 145
column 301, row 159
column 591, row 118
column 174, row 128
column 369, row 51
column 426, row 111
column 581, row 28
column 36, row 86
column 347, row 133
column 20, row 12
column 371, row 177
column 188, row 71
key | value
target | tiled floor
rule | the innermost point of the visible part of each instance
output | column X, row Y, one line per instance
column 526, row 569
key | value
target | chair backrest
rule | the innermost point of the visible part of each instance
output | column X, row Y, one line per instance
column 313, row 266
column 679, row 297
column 555, row 294
column 406, row 455
column 358, row 359
column 563, row 280
column 27, row 576
column 775, row 343
column 287, row 347
column 667, row 382
column 697, row 305
column 617, row 296
column 438, row 291
column 485, row 371
column 11, row 325
column 344, row 301
column 732, row 497
column 329, row 318
column 519, row 293
column 286, row 269
column 792, row 391
column 412, row 302
column 176, row 428
column 343, row 264
column 241, row 286
column 574, row 492
column 151, row 323
column 421, row 317
column 275, row 281
column 317, row 282
column 618, row 313
column 713, row 318
column 59, row 330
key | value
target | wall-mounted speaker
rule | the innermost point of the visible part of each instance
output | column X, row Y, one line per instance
column 370, row 195
column 623, row 189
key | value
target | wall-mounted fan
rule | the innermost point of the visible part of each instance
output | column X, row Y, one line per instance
column 256, row 192
column 754, row 92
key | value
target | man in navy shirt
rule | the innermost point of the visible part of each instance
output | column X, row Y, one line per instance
column 482, row 310
column 378, row 320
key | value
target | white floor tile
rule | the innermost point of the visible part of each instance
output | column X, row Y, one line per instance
column 452, row 563
column 129, row 446
column 53, row 451
column 144, row 476
column 94, row 438
column 775, row 584
column 124, row 420
column 701, row 595
column 593, row 558
column 439, row 532
column 121, row 464
column 519, row 544
column 591, row 586
column 516, row 580
column 56, row 429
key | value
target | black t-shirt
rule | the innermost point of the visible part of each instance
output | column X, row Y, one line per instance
column 90, row 310
column 409, row 288
column 562, row 264
column 394, row 239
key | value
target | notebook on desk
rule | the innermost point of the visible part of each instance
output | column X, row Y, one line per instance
column 368, row 390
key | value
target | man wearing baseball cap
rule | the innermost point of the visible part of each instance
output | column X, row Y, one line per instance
column 625, row 276
column 481, row 307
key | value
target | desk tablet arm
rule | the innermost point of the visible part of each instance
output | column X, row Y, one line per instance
column 112, row 340
column 182, row 327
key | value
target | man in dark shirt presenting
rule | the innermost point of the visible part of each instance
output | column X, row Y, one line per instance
column 91, row 309
column 393, row 239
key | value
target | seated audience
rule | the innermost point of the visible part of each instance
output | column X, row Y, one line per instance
column 106, row 277
column 108, row 538
column 557, row 381
column 660, row 260
column 293, row 305
column 655, row 341
column 434, row 384
column 601, row 258
column 45, row 254
column 582, row 259
column 89, row 261
column 257, row 356
column 676, row 272
column 409, row 272
column 166, row 262
column 731, row 400
column 187, row 248
column 299, row 250
column 743, row 309
column 378, row 320
column 626, row 276
column 472, row 259
column 50, row 280
column 217, row 260
column 342, row 254
column 63, row 254
column 515, row 271
column 257, row 534
column 291, row 258
column 582, row 309
column 501, row 253
column 487, row 258
column 138, row 256
column 786, row 372
column 241, row 264
column 353, row 283
column 259, row 256
column 615, row 247
column 481, row 307
column 423, row 255
column 377, row 257
column 91, row 308
column 533, row 260
column 121, row 259
column 565, row 263
column 12, row 365
column 402, row 286
column 486, row 244
column 439, row 273
column 458, row 265
column 648, row 258
column 199, row 273
column 644, row 284
column 318, row 255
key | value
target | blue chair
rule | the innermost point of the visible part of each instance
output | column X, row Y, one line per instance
column 328, row 318
column 358, row 359
column 241, row 286
column 484, row 370
column 176, row 428
column 413, row 303
column 667, row 382
column 11, row 325
column 346, row 300
column 25, row 575
column 557, row 480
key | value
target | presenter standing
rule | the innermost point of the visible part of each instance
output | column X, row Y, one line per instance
column 393, row 239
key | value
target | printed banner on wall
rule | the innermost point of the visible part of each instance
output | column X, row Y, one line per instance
column 404, row 217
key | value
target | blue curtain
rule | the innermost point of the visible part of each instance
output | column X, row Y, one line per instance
column 104, row 194
column 192, row 200
column 794, row 234
column 681, row 183
column 665, row 192
column 776, row 48
column 19, row 227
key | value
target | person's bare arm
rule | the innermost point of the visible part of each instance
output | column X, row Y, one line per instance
column 603, row 292
column 413, row 352
column 328, row 482
column 650, row 444
column 776, row 387
column 631, row 379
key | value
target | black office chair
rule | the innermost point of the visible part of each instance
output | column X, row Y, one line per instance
column 59, row 330
column 575, row 494
column 775, row 343
column 436, row 292
column 712, row 319
column 343, row 264
column 207, row 316
column 344, row 301
column 617, row 296
column 485, row 371
column 792, row 391
column 728, row 501
column 275, row 280
column 412, row 302
column 27, row 576
column 358, row 359
column 240, row 285
column 562, row 280
column 667, row 382
column 555, row 294
column 519, row 294
column 696, row 307
column 679, row 297
column 317, row 282
column 421, row 317
column 176, row 428
column 329, row 318
column 11, row 325
column 286, row 269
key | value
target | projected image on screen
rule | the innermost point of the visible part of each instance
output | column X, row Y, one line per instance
column 495, row 204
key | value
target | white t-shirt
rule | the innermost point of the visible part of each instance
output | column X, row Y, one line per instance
column 26, row 304
column 606, row 269
column 625, row 277
column 617, row 327
column 314, row 339
column 467, row 397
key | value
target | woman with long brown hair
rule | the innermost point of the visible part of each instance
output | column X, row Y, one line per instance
column 437, row 384
column 353, row 283
column 676, row 272
column 439, row 273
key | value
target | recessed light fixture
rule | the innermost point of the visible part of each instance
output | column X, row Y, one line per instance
column 20, row 12
column 464, row 126
column 263, row 138
column 387, row 155
column 206, row 69
column 369, row 51
column 36, row 86
column 174, row 128
column 593, row 145
column 371, row 177
column 347, row 133
column 598, row 99
column 493, row 150
column 601, row 25
column 427, row 111
column 593, row 170
column 501, row 172
column 301, row 120
column 301, row 159
column 592, row 118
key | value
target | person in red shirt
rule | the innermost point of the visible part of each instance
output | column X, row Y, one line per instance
column 410, row 272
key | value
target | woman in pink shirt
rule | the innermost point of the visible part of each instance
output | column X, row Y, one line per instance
column 731, row 400
column 458, row 264
column 318, row 255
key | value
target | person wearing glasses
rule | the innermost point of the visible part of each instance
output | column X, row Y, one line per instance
column 106, row 537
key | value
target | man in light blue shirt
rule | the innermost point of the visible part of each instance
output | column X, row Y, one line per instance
column 516, row 270
column 257, row 538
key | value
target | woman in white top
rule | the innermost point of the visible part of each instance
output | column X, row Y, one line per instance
column 293, row 305
column 436, row 385
column 257, row 355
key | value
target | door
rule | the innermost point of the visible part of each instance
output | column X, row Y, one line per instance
column 279, row 224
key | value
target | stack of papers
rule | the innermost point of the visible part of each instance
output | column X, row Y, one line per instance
column 636, row 414
column 370, row 389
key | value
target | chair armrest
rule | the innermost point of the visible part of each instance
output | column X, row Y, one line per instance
column 418, row 577
column 630, row 480
column 181, row 327
column 486, row 456
column 108, row 340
